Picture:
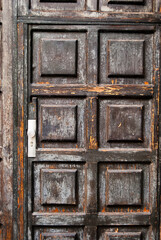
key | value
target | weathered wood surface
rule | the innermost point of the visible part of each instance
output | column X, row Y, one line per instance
column 97, row 123
column 88, row 71
column 6, row 122
column 95, row 9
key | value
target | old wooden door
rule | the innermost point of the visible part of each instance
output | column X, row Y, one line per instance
column 88, row 83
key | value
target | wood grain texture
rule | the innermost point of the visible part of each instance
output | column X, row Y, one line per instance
column 58, row 123
column 58, row 186
column 57, row 5
column 122, row 125
column 61, row 123
column 87, row 182
column 125, row 123
column 43, row 7
column 126, row 58
column 59, row 58
column 124, row 187
column 112, row 236
column 7, row 121
column 115, row 160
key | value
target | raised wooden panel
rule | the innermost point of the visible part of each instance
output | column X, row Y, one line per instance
column 58, row 57
column 126, row 6
column 125, row 123
column 56, row 1
column 58, row 186
column 125, row 58
column 124, row 232
column 126, row 2
column 51, row 5
column 58, row 122
column 58, row 233
column 123, row 236
column 116, row 6
column 124, row 187
column 58, row 236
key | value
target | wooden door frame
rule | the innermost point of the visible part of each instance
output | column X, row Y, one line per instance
column 6, row 152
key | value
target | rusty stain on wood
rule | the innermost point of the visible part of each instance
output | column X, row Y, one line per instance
column 20, row 136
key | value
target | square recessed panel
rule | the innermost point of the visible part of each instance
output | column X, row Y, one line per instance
column 123, row 236
column 58, row 122
column 125, row 123
column 58, row 57
column 61, row 123
column 58, row 236
column 58, row 186
column 124, row 187
column 125, row 58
